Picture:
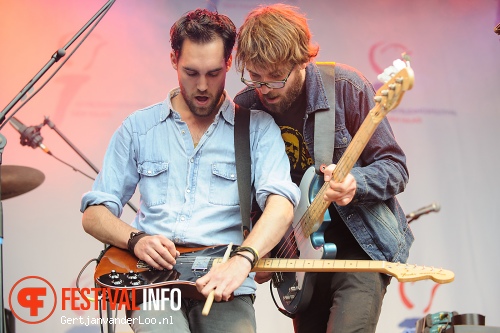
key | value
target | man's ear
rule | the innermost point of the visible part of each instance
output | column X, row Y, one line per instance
column 173, row 59
column 229, row 62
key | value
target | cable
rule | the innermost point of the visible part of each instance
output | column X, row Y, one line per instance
column 283, row 311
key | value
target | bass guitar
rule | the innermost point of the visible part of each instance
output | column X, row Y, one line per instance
column 120, row 271
column 305, row 238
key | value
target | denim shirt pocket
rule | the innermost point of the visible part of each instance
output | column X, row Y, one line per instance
column 342, row 140
column 153, row 184
column 224, row 185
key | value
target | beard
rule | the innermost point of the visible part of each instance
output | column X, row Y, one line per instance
column 288, row 98
column 202, row 111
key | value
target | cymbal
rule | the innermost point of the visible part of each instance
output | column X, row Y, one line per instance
column 17, row 180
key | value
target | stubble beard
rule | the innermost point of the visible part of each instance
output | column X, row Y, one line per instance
column 205, row 111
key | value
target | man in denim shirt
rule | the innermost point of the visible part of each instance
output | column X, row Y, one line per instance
column 274, row 55
column 181, row 154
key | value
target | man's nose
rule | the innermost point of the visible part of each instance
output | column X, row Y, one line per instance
column 264, row 89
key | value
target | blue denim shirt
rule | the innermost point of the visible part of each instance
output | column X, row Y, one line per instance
column 189, row 194
column 374, row 216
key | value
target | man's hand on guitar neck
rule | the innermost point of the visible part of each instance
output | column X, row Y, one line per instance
column 341, row 192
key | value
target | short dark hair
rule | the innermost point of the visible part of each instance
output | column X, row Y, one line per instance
column 202, row 26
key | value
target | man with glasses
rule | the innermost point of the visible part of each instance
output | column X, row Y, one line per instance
column 275, row 56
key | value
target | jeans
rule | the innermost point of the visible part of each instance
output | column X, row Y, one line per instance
column 343, row 303
column 235, row 316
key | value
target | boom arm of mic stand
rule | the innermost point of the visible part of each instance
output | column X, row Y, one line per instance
column 409, row 219
column 49, row 123
column 55, row 57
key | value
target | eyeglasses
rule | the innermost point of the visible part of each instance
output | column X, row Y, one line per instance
column 270, row 85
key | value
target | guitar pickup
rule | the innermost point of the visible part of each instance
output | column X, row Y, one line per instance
column 201, row 264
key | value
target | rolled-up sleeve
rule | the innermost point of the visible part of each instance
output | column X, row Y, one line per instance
column 93, row 198
column 116, row 182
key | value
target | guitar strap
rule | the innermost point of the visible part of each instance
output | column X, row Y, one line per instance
column 324, row 120
column 243, row 163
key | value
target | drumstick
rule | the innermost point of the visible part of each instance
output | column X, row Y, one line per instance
column 210, row 298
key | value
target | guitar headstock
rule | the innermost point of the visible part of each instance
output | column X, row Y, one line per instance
column 409, row 273
column 397, row 78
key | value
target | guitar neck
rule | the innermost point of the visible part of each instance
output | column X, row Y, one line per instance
column 358, row 143
column 319, row 206
column 387, row 98
column 317, row 265
column 402, row 272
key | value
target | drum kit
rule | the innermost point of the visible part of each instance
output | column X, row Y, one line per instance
column 17, row 180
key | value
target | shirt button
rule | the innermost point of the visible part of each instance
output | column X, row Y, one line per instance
column 344, row 139
column 149, row 172
column 183, row 132
column 182, row 218
column 188, row 190
column 232, row 175
column 191, row 160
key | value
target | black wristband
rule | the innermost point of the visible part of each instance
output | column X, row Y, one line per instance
column 134, row 238
column 252, row 265
column 248, row 249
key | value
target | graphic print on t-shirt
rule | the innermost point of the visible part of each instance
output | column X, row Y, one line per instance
column 297, row 152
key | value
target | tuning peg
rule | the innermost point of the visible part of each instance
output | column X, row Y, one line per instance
column 399, row 64
column 387, row 74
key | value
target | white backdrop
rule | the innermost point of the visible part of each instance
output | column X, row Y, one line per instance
column 447, row 124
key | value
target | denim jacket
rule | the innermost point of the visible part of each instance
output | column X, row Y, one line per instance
column 374, row 216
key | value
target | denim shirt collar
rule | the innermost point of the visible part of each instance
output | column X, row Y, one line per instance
column 315, row 92
column 226, row 109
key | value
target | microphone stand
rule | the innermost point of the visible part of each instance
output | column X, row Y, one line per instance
column 3, row 141
column 55, row 58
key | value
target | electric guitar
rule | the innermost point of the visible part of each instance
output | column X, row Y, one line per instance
column 120, row 271
column 305, row 238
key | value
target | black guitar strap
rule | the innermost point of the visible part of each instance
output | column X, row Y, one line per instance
column 324, row 120
column 243, row 163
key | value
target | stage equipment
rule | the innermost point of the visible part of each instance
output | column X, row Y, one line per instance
column 60, row 53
